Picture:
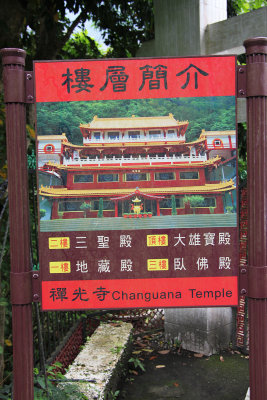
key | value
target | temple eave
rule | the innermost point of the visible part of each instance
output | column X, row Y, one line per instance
column 204, row 189
column 125, row 143
column 144, row 165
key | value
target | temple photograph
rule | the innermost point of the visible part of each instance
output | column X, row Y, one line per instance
column 136, row 172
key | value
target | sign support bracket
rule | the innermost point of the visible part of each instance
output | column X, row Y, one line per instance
column 241, row 76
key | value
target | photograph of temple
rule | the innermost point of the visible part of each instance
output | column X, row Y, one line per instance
column 136, row 168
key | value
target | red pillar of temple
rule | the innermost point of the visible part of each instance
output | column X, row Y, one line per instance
column 116, row 208
column 158, row 208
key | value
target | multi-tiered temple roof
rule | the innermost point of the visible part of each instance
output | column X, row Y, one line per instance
column 145, row 156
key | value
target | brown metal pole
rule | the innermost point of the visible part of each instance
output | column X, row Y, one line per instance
column 256, row 54
column 20, row 276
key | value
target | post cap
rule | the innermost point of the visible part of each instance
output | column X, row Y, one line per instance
column 256, row 45
column 13, row 56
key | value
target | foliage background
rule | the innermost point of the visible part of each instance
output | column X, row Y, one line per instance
column 209, row 113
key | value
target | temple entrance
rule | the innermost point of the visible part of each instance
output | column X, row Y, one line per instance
column 137, row 203
column 150, row 206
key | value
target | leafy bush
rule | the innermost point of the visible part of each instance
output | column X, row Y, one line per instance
column 194, row 201
column 45, row 387
column 42, row 213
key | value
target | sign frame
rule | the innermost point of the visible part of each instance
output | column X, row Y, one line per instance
column 68, row 71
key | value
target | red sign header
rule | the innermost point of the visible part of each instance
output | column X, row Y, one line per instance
column 143, row 293
column 134, row 78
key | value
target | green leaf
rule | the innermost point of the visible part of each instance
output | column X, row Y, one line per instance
column 3, row 302
column 41, row 382
column 57, row 364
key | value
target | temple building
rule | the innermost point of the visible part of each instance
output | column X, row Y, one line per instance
column 136, row 167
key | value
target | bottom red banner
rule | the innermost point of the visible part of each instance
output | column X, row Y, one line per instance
column 140, row 293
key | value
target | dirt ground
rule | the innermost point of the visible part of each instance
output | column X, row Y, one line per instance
column 173, row 373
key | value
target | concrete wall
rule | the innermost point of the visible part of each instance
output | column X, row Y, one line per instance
column 202, row 330
column 201, row 27
column 210, row 12
column 176, row 20
column 180, row 26
column 227, row 37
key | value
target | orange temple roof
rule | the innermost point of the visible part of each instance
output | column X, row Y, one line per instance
column 53, row 137
column 216, row 133
column 133, row 122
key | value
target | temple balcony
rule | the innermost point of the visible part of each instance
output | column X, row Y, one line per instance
column 125, row 139
column 149, row 160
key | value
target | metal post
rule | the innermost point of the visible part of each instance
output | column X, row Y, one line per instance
column 20, row 276
column 256, row 54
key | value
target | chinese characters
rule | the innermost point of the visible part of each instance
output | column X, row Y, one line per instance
column 117, row 78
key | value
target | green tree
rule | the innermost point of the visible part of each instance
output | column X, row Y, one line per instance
column 193, row 131
column 100, row 208
column 194, row 201
column 43, row 27
column 42, row 213
column 236, row 7
column 85, row 207
column 81, row 44
column 174, row 211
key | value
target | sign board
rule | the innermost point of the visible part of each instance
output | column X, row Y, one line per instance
column 137, row 182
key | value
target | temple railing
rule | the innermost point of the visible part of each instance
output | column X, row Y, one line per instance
column 134, row 140
column 133, row 160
